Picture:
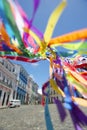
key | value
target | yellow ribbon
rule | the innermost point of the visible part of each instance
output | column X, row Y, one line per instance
column 53, row 20
column 56, row 88
column 76, row 84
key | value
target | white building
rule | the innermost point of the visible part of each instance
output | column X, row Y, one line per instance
column 8, row 88
column 15, row 83
column 33, row 90
column 52, row 94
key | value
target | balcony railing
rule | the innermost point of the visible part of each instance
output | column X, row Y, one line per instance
column 4, row 83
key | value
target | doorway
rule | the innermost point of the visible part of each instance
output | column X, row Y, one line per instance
column 7, row 99
column 3, row 98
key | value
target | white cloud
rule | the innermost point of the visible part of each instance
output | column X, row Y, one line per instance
column 40, row 91
column 34, row 64
column 32, row 76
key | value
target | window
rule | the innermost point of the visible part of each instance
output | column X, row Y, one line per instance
column 11, row 83
column 3, row 78
column 2, row 62
column 9, row 68
column 0, row 74
column 13, row 94
column 0, row 93
column 13, row 69
column 6, row 65
column 7, row 81
column 54, row 91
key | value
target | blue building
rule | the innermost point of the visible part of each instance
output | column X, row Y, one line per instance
column 22, row 79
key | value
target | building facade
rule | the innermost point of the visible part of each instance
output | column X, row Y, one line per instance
column 28, row 90
column 33, row 90
column 22, row 79
column 15, row 83
column 8, row 82
column 52, row 94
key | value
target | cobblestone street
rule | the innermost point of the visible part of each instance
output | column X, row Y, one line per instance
column 31, row 117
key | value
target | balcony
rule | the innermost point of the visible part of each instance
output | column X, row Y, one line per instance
column 5, row 84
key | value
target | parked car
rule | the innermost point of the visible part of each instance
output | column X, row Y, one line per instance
column 14, row 103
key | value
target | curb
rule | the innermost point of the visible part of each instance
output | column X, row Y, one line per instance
column 4, row 107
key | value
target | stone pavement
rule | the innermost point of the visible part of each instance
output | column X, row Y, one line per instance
column 31, row 117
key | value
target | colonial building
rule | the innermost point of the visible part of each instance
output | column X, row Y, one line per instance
column 22, row 79
column 28, row 90
column 39, row 98
column 15, row 83
column 8, row 88
column 33, row 90
column 30, row 83
column 52, row 94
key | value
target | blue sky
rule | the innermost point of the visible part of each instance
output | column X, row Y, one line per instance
column 73, row 18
